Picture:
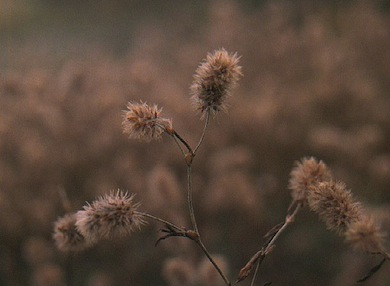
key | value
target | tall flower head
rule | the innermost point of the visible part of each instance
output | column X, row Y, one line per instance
column 66, row 236
column 112, row 215
column 305, row 174
column 213, row 81
column 142, row 121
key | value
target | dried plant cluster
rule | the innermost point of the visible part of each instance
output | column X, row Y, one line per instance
column 314, row 84
column 311, row 184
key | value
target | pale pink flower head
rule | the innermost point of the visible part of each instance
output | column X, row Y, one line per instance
column 112, row 215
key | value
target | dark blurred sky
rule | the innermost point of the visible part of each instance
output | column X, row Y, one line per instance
column 65, row 28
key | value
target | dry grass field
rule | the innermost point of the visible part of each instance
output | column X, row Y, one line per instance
column 316, row 82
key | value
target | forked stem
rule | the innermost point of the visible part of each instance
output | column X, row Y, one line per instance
column 189, row 159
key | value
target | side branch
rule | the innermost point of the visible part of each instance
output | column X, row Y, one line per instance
column 274, row 233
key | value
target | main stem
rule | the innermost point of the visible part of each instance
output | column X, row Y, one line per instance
column 200, row 243
column 195, row 227
column 189, row 159
column 190, row 200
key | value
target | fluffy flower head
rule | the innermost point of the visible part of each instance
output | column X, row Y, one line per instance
column 365, row 235
column 142, row 121
column 307, row 173
column 66, row 236
column 112, row 215
column 334, row 205
column 213, row 81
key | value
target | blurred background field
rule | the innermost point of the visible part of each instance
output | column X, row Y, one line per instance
column 316, row 83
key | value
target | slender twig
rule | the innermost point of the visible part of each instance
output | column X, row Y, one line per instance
column 200, row 243
column 372, row 271
column 159, row 220
column 176, row 135
column 255, row 273
column 267, row 248
column 288, row 220
column 178, row 144
column 190, row 200
column 203, row 132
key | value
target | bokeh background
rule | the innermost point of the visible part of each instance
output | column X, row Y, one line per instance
column 317, row 83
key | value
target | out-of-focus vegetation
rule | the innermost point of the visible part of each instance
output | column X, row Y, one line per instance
column 317, row 82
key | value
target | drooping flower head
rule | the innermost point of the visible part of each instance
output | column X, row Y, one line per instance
column 112, row 215
column 365, row 235
column 306, row 173
column 66, row 235
column 142, row 121
column 213, row 81
column 334, row 205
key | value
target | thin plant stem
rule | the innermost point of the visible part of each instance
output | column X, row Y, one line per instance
column 255, row 273
column 178, row 144
column 261, row 254
column 200, row 243
column 159, row 220
column 189, row 156
column 203, row 132
column 195, row 226
column 190, row 200
column 176, row 135
column 178, row 139
column 289, row 219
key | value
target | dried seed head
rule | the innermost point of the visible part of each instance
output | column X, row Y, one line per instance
column 213, row 81
column 143, row 122
column 66, row 236
column 334, row 205
column 365, row 235
column 112, row 215
column 306, row 173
